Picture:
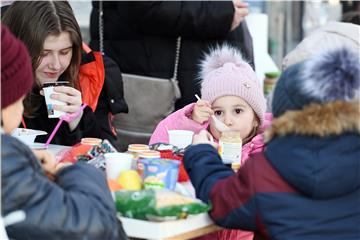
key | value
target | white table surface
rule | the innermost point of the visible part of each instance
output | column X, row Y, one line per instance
column 162, row 230
column 57, row 148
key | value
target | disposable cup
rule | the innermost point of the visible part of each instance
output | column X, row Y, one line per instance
column 116, row 163
column 48, row 89
column 180, row 138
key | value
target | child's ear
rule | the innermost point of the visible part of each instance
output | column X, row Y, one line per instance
column 256, row 123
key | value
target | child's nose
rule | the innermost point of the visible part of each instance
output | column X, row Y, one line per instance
column 228, row 120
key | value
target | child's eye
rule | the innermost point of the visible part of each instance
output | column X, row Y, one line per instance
column 238, row 110
column 217, row 113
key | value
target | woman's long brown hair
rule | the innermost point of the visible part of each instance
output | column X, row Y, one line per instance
column 32, row 22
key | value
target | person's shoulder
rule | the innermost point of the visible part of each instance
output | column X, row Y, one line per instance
column 14, row 152
column 9, row 142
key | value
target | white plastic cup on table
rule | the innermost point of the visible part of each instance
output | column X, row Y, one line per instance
column 48, row 89
column 180, row 138
column 117, row 162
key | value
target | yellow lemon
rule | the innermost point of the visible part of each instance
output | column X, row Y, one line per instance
column 130, row 180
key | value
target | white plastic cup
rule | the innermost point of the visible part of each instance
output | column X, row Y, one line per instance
column 117, row 162
column 180, row 138
column 48, row 89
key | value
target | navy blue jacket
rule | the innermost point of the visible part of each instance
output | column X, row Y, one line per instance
column 306, row 185
column 78, row 205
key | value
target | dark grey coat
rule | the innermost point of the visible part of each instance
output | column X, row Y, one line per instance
column 77, row 206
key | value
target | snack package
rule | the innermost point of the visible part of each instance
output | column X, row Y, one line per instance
column 172, row 152
column 157, row 205
column 92, row 154
column 160, row 173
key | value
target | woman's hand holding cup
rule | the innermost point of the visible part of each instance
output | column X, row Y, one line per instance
column 62, row 99
column 68, row 95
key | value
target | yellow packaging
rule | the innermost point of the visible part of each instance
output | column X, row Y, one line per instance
column 230, row 147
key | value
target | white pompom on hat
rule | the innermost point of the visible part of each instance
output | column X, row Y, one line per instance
column 224, row 72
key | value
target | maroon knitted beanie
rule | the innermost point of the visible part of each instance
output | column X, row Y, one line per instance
column 16, row 70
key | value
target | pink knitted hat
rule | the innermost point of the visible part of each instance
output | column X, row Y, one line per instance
column 224, row 73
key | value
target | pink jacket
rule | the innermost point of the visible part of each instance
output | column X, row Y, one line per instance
column 181, row 120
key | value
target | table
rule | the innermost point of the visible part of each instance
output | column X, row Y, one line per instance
column 193, row 226
column 57, row 148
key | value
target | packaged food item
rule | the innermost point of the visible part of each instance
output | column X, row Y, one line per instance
column 230, row 147
column 92, row 154
column 157, row 205
column 171, row 152
column 270, row 81
column 160, row 173
column 150, row 154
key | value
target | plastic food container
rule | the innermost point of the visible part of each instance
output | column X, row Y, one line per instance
column 138, row 147
column 151, row 154
column 26, row 135
column 91, row 141
column 160, row 173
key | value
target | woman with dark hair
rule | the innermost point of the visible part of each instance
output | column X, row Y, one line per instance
column 52, row 35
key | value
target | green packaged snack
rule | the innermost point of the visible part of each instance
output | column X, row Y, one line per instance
column 157, row 205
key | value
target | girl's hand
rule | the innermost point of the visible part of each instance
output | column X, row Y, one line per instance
column 202, row 111
column 47, row 161
column 73, row 100
column 204, row 137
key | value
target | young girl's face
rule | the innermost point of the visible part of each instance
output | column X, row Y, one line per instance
column 235, row 113
column 55, row 57
column 12, row 114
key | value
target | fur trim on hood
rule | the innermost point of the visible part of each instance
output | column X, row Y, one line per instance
column 318, row 119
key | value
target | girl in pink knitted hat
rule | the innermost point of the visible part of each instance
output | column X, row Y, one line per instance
column 232, row 93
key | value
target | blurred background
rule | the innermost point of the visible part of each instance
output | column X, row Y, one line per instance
column 276, row 26
column 280, row 25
